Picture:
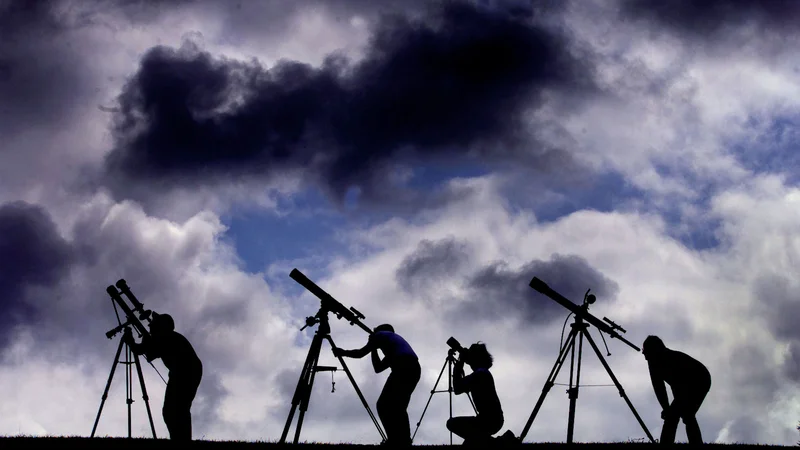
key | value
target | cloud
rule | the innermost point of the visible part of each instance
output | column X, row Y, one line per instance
column 456, row 86
column 499, row 290
column 33, row 255
column 709, row 18
column 431, row 261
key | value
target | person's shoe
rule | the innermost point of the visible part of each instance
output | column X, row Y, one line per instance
column 507, row 438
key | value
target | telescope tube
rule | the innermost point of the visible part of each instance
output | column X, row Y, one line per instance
column 328, row 302
column 542, row 287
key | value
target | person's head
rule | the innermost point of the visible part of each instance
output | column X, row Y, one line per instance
column 161, row 324
column 384, row 327
column 479, row 357
column 653, row 347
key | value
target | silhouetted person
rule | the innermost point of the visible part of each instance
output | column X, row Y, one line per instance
column 477, row 430
column 393, row 402
column 185, row 372
column 690, row 382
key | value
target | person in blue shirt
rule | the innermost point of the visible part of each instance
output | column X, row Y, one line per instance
column 477, row 430
column 393, row 402
column 185, row 373
column 690, row 382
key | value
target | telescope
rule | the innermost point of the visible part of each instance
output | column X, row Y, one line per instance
column 573, row 345
column 302, row 393
column 329, row 303
column 454, row 345
column 582, row 311
column 131, row 322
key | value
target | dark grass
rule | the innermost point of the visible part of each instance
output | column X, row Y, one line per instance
column 68, row 443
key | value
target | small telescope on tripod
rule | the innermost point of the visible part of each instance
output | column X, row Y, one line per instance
column 132, row 322
column 302, row 393
column 579, row 331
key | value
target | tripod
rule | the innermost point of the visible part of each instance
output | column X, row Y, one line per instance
column 302, row 393
column 448, row 362
column 128, row 382
column 579, row 327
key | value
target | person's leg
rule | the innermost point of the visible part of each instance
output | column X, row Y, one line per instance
column 670, row 426
column 408, row 380
column 468, row 428
column 169, row 408
column 184, row 390
column 689, row 415
column 385, row 407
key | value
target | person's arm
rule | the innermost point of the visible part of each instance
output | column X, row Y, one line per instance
column 659, row 386
column 379, row 364
column 358, row 353
column 137, row 348
column 460, row 382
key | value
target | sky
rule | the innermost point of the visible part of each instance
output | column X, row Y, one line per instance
column 421, row 161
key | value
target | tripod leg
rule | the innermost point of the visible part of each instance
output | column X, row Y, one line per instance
column 619, row 387
column 144, row 394
column 573, row 389
column 303, row 383
column 305, row 399
column 128, row 386
column 358, row 391
column 450, row 390
column 562, row 356
column 433, row 391
column 108, row 386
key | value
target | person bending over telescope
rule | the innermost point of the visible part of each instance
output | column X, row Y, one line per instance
column 690, row 382
column 185, row 372
column 476, row 430
column 393, row 402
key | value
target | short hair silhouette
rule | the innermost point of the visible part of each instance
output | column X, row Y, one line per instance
column 163, row 322
column 384, row 327
column 479, row 356
column 653, row 344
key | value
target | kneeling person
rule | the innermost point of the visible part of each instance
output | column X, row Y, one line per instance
column 185, row 372
column 480, row 383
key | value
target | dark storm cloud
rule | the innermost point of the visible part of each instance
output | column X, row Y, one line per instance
column 431, row 261
column 32, row 254
column 500, row 291
column 44, row 69
column 454, row 86
column 707, row 17
column 39, row 75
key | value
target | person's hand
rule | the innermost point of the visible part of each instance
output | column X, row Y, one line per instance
column 128, row 339
column 338, row 352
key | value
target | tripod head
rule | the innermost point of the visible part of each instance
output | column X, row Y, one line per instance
column 328, row 304
column 581, row 312
column 320, row 318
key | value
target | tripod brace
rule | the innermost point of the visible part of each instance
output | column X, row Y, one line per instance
column 579, row 331
column 302, row 393
column 448, row 363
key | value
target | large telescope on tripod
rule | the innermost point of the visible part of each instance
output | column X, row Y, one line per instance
column 302, row 393
column 579, row 331
column 132, row 321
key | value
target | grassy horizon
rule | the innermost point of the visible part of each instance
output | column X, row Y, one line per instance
column 140, row 443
